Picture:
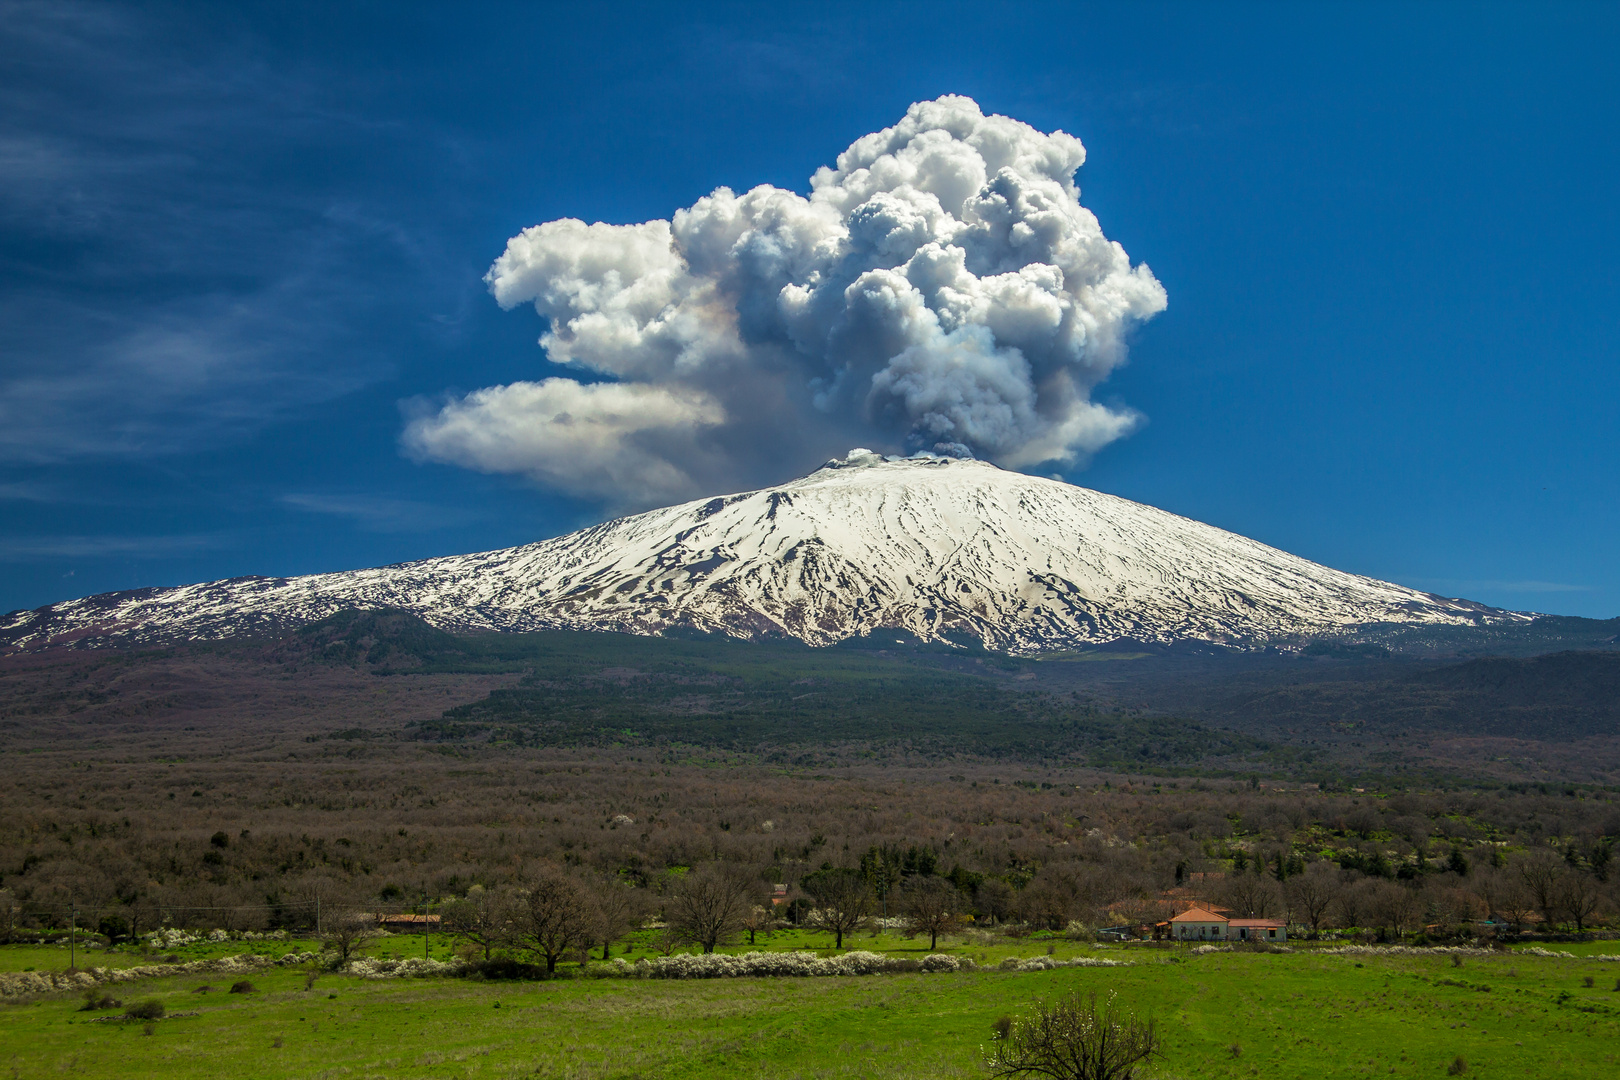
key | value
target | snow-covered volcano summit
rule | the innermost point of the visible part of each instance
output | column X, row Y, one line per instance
column 932, row 545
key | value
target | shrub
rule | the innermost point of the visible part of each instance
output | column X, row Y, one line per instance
column 1049, row 963
column 204, row 989
column 1458, row 1066
column 505, row 967
column 1589, row 982
column 375, row 968
column 95, row 998
column 1076, row 1037
column 789, row 965
column 114, row 928
column 150, row 1009
column 242, row 986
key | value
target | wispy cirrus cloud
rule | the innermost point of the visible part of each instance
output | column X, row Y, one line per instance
column 30, row 491
column 42, row 548
column 377, row 513
column 170, row 283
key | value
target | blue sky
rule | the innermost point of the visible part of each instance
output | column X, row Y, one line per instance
column 241, row 245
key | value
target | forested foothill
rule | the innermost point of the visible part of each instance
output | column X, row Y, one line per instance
column 370, row 761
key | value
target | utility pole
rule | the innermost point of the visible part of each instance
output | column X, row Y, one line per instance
column 317, row 914
column 73, row 932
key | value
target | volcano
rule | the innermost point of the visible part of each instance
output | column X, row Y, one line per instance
column 943, row 549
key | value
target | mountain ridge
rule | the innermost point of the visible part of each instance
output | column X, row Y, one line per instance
column 945, row 549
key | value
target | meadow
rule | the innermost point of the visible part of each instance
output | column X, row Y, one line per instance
column 1223, row 1015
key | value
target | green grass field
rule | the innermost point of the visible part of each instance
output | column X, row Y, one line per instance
column 1299, row 1015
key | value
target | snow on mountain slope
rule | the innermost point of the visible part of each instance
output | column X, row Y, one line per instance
column 935, row 546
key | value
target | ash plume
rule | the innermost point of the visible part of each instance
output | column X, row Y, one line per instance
column 941, row 289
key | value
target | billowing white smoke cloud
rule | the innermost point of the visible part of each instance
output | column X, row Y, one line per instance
column 941, row 289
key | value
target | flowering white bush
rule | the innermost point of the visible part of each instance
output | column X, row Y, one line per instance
column 1456, row 950
column 1536, row 950
column 372, row 968
column 173, row 938
column 1050, row 963
column 1411, row 950
column 785, row 965
column 16, row 983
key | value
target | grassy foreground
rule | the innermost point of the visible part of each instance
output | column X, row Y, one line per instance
column 1222, row 1014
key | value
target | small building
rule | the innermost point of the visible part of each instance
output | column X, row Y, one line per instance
column 1198, row 924
column 1202, row 924
column 409, row 924
column 1256, row 930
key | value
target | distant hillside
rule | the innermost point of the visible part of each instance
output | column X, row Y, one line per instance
column 1544, row 634
column 1564, row 695
column 1342, row 711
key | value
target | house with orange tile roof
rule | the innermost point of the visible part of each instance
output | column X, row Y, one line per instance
column 1202, row 924
column 1198, row 924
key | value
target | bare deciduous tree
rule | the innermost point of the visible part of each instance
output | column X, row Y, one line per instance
column 994, row 898
column 1051, row 900
column 667, row 940
column 1504, row 895
column 10, row 911
column 557, row 917
column 1311, row 894
column 1542, row 874
column 346, row 933
column 932, row 906
column 1074, row 1038
column 1394, row 906
column 843, row 901
column 488, row 918
column 620, row 908
column 1580, row 895
column 708, row 907
column 761, row 918
column 1252, row 896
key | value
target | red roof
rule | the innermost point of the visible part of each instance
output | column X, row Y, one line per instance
column 1263, row 923
column 1198, row 914
column 430, row 919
